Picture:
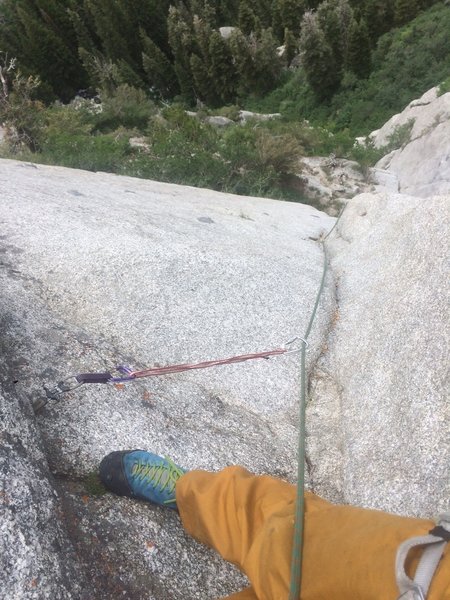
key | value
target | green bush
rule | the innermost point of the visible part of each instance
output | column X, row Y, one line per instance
column 126, row 106
column 400, row 136
column 83, row 151
column 20, row 113
column 444, row 87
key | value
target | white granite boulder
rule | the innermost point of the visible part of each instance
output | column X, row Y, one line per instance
column 422, row 164
column 378, row 418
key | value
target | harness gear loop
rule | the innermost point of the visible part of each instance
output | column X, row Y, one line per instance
column 434, row 545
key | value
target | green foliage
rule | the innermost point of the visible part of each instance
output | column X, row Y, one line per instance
column 321, row 70
column 20, row 112
column 400, row 136
column 158, row 68
column 444, row 87
column 267, row 64
column 405, row 10
column 136, row 48
column 222, row 71
column 39, row 34
column 334, row 18
column 181, row 40
column 149, row 44
column 379, row 16
column 243, row 62
column 291, row 13
column 247, row 20
column 202, row 82
column 290, row 46
column 126, row 107
column 359, row 53
column 406, row 63
column 104, row 152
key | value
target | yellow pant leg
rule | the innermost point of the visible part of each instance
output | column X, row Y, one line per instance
column 349, row 553
column 247, row 594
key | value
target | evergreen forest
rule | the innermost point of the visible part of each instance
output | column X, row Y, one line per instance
column 79, row 78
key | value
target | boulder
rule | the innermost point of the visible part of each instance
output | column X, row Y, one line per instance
column 226, row 32
column 247, row 115
column 422, row 167
column 219, row 121
column 140, row 143
column 384, row 180
column 422, row 164
column 421, row 114
column 330, row 181
column 378, row 418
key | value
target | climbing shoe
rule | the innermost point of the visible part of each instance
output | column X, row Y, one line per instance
column 141, row 474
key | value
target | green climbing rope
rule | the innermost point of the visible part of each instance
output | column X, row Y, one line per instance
column 297, row 549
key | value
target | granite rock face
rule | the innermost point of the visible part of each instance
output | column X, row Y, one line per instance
column 421, row 166
column 378, row 419
column 330, row 182
column 38, row 560
column 99, row 270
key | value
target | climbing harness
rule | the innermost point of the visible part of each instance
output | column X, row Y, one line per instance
column 434, row 545
column 127, row 374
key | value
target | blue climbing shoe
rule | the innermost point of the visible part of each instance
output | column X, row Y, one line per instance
column 141, row 474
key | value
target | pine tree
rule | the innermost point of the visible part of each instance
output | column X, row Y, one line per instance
column 359, row 49
column 268, row 64
column 111, row 43
column 128, row 75
column 209, row 14
column 318, row 59
column 158, row 68
column 246, row 18
column 243, row 62
column 152, row 16
column 204, row 86
column 222, row 71
column 334, row 18
column 379, row 16
column 263, row 11
column 277, row 23
column 405, row 10
column 182, row 43
column 40, row 35
column 203, row 32
column 292, row 12
column 290, row 46
column 227, row 12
